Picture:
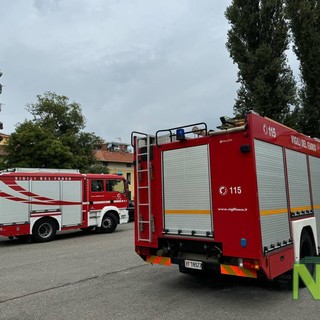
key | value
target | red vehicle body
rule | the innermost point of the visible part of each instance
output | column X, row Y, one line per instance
column 244, row 200
column 40, row 202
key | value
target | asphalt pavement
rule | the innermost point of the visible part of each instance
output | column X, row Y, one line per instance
column 99, row 276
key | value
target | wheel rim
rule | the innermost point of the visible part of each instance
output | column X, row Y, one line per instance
column 107, row 223
column 45, row 230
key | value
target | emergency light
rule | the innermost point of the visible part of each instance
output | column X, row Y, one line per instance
column 180, row 134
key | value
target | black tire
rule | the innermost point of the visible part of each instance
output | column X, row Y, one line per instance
column 44, row 230
column 307, row 249
column 284, row 281
column 109, row 223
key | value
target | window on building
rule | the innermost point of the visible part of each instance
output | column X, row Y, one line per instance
column 129, row 177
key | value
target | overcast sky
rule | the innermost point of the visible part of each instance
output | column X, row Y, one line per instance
column 139, row 65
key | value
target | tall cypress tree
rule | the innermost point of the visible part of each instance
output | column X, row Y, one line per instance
column 257, row 42
column 304, row 17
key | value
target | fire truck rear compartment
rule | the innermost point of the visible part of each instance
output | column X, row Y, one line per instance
column 187, row 207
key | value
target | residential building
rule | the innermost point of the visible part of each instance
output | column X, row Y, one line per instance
column 4, row 138
column 118, row 158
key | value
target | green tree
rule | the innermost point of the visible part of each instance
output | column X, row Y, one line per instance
column 304, row 21
column 99, row 168
column 53, row 139
column 257, row 42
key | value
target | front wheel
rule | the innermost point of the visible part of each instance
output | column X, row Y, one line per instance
column 44, row 230
column 108, row 223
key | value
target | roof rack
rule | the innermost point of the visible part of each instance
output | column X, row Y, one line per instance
column 173, row 133
column 50, row 170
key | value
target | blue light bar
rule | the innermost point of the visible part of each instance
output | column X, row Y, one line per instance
column 180, row 134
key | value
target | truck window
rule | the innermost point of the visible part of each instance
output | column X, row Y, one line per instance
column 115, row 185
column 96, row 185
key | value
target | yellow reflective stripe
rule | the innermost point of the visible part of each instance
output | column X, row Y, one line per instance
column 273, row 211
column 187, row 211
column 249, row 273
column 301, row 208
column 159, row 260
column 317, row 206
column 279, row 211
column 237, row 271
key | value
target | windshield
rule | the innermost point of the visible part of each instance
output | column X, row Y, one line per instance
column 115, row 185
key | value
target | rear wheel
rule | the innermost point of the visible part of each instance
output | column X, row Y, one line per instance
column 307, row 249
column 108, row 223
column 44, row 230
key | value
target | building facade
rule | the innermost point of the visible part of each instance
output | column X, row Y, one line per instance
column 4, row 138
column 118, row 159
column 115, row 156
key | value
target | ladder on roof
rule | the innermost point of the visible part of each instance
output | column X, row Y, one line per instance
column 143, row 184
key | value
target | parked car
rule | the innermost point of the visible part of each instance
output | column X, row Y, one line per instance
column 131, row 210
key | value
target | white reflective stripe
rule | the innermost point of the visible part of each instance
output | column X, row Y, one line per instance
column 115, row 201
column 107, row 201
column 99, row 202
column 44, row 214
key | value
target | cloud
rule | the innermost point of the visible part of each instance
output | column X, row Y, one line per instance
column 132, row 65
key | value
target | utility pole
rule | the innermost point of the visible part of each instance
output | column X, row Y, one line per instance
column 1, row 124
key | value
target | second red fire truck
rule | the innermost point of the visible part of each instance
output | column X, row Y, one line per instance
column 243, row 200
column 40, row 202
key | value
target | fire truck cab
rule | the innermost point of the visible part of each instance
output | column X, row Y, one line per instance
column 40, row 202
column 243, row 200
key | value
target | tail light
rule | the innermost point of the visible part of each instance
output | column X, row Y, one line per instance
column 248, row 264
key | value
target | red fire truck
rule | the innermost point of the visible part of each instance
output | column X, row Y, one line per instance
column 40, row 202
column 243, row 200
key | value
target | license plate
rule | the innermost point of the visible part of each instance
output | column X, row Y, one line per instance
column 193, row 264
